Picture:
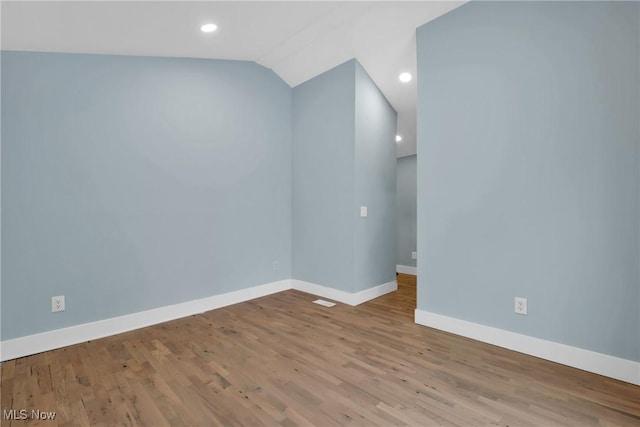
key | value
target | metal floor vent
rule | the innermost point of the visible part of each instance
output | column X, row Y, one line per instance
column 324, row 303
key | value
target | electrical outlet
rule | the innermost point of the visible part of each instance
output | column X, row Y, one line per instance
column 276, row 265
column 57, row 304
column 520, row 305
column 414, row 255
column 363, row 211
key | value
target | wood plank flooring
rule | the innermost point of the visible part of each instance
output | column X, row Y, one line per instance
column 281, row 360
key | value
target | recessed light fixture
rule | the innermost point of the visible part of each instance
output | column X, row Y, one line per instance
column 405, row 77
column 398, row 138
column 208, row 28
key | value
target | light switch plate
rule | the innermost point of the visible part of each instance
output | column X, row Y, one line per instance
column 363, row 211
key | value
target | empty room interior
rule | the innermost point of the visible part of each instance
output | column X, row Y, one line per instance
column 320, row 213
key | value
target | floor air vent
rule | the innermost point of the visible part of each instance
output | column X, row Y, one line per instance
column 324, row 303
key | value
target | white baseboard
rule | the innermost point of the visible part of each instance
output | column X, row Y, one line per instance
column 45, row 341
column 50, row 340
column 603, row 364
column 372, row 293
column 405, row 269
column 342, row 296
column 322, row 291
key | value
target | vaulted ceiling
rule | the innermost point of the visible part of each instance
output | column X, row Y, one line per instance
column 297, row 39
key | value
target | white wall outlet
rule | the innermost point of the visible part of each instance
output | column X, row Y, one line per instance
column 414, row 255
column 57, row 304
column 521, row 305
column 276, row 265
column 363, row 211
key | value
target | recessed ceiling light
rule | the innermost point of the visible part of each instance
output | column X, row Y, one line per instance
column 398, row 138
column 208, row 28
column 405, row 77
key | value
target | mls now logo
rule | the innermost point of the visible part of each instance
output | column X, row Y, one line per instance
column 23, row 414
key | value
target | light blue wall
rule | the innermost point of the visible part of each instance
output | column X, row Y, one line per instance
column 406, row 233
column 528, row 169
column 0, row 197
column 323, row 178
column 130, row 183
column 343, row 158
column 375, row 185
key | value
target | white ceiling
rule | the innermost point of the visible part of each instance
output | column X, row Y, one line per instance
column 297, row 39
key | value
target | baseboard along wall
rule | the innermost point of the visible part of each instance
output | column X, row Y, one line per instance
column 587, row 360
column 603, row 364
column 51, row 340
column 405, row 269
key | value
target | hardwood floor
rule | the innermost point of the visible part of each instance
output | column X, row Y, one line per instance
column 281, row 360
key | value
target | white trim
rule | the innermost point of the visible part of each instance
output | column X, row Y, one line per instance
column 375, row 292
column 50, row 340
column 342, row 296
column 603, row 364
column 405, row 269
column 322, row 291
